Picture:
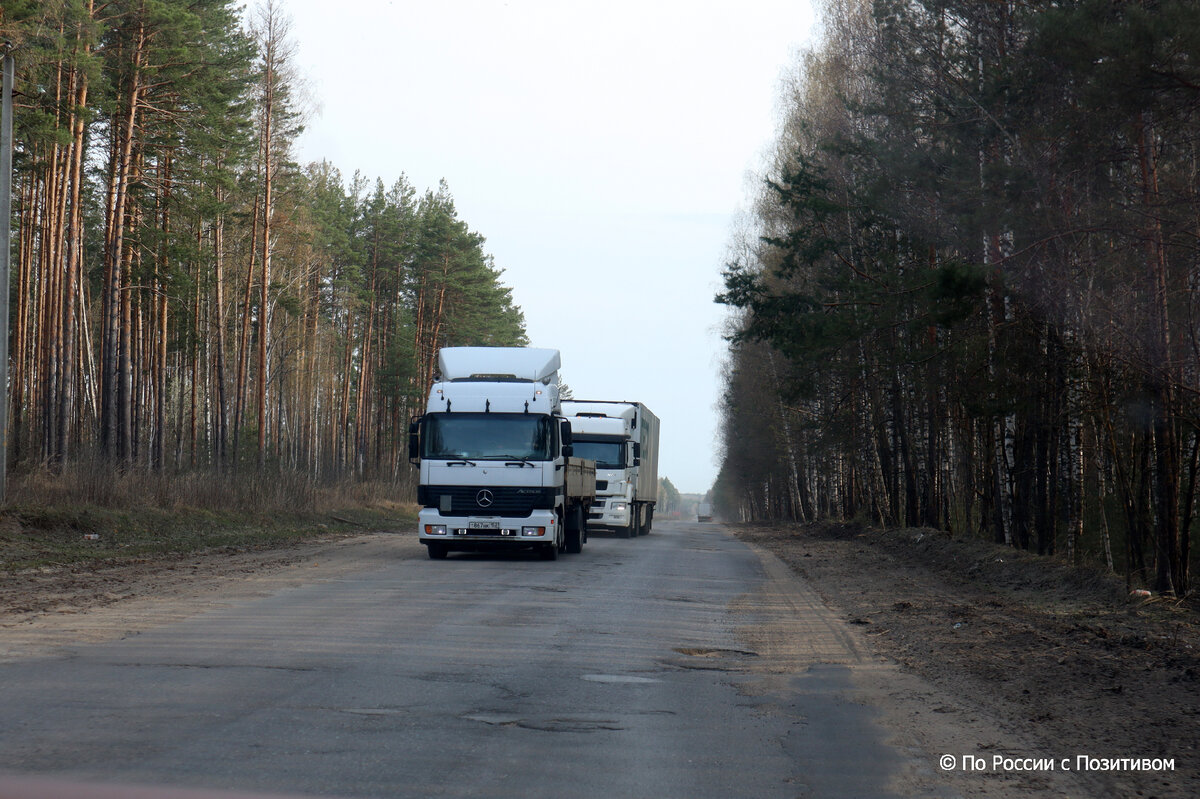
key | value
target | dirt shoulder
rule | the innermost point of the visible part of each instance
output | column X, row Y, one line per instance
column 79, row 587
column 46, row 608
column 1058, row 656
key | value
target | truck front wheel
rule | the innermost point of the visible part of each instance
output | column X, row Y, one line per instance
column 437, row 551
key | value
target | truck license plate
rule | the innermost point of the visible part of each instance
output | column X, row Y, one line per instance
column 483, row 525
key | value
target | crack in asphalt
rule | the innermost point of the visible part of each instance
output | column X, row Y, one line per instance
column 241, row 666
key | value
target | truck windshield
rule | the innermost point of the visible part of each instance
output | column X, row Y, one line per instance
column 606, row 454
column 487, row 436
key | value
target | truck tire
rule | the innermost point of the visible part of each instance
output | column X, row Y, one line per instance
column 575, row 531
column 549, row 552
column 437, row 551
column 628, row 531
column 649, row 521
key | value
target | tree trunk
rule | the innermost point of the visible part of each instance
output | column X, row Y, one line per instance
column 1170, row 570
column 67, row 398
column 117, row 390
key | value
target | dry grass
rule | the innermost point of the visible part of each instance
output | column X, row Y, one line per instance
column 96, row 482
column 93, row 513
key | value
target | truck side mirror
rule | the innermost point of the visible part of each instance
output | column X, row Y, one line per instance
column 414, row 440
column 564, row 434
column 637, row 454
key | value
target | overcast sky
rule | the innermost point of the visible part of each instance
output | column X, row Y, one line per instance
column 603, row 149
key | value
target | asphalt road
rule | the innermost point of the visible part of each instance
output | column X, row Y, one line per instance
column 682, row 664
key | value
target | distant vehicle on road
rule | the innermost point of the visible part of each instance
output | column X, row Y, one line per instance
column 704, row 512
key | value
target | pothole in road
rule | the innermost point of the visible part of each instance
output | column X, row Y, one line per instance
column 495, row 719
column 545, row 725
column 706, row 652
column 569, row 725
column 628, row 679
column 373, row 711
column 710, row 658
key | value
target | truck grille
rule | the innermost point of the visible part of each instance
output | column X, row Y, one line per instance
column 487, row 500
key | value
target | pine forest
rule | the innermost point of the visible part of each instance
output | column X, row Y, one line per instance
column 185, row 296
column 968, row 295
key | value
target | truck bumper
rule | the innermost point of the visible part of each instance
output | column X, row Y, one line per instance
column 487, row 532
column 609, row 512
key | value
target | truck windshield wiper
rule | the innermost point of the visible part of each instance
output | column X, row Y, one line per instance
column 464, row 463
column 517, row 459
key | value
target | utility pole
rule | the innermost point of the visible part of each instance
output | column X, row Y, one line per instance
column 6, row 146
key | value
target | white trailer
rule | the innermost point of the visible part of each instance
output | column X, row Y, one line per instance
column 495, row 455
column 622, row 438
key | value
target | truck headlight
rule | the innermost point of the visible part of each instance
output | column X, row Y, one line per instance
column 619, row 506
column 435, row 529
column 533, row 531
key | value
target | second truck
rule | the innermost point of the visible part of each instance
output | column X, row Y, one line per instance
column 622, row 438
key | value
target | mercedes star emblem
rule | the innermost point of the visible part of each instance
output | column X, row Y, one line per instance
column 484, row 499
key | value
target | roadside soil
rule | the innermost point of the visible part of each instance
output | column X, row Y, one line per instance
column 30, row 593
column 44, row 609
column 1062, row 658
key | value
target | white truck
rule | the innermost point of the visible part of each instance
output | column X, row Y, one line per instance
column 495, row 455
column 622, row 438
